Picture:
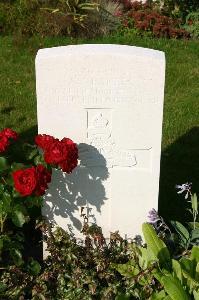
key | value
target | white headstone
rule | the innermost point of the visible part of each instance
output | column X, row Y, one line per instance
column 109, row 100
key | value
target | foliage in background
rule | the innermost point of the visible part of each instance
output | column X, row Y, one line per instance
column 57, row 17
column 192, row 24
column 178, row 8
column 96, row 17
column 146, row 18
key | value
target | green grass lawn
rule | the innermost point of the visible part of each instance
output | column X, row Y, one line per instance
column 180, row 142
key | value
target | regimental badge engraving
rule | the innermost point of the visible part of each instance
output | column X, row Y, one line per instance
column 101, row 149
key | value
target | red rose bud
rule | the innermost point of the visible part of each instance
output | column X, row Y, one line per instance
column 44, row 141
column 9, row 133
column 4, row 143
column 5, row 135
column 25, row 181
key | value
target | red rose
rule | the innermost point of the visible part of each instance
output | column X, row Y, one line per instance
column 9, row 133
column 5, row 135
column 4, row 143
column 44, row 141
column 62, row 153
column 56, row 152
column 31, row 181
column 25, row 181
column 43, row 178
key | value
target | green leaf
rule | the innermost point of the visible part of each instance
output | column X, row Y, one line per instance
column 197, row 272
column 17, row 166
column 3, row 287
column 158, row 295
column 194, row 203
column 188, row 266
column 195, row 253
column 145, row 258
column 122, row 297
column 1, row 243
column 18, row 218
column 192, row 225
column 156, row 245
column 128, row 269
column 189, row 272
column 196, row 295
column 177, row 269
column 194, row 234
column 5, row 203
column 39, row 160
column 174, row 288
column 157, row 274
column 4, row 165
column 34, row 267
column 2, row 188
column 182, row 232
column 30, row 151
column 16, row 256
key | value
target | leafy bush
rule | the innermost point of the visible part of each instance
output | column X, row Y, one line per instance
column 192, row 24
column 179, row 8
column 58, row 17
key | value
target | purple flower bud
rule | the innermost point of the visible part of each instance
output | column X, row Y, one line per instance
column 153, row 216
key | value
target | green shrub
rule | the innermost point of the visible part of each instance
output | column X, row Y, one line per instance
column 58, row 17
column 180, row 8
column 192, row 24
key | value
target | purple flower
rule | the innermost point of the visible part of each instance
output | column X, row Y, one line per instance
column 185, row 187
column 153, row 216
column 158, row 222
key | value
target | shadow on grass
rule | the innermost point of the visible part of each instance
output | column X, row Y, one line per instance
column 17, row 150
column 179, row 164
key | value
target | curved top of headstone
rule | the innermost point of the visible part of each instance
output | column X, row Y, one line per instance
column 99, row 49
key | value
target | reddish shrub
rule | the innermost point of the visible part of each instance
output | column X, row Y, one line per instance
column 144, row 18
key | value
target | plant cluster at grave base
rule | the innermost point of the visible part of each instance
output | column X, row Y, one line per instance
column 97, row 270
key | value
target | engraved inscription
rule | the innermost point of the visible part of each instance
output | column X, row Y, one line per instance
column 118, row 86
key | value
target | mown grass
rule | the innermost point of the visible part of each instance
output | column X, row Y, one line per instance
column 180, row 142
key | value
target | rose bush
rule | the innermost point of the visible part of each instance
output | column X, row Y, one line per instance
column 22, row 184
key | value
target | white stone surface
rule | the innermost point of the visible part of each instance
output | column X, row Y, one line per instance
column 109, row 100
